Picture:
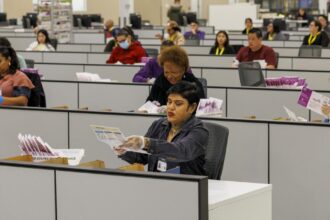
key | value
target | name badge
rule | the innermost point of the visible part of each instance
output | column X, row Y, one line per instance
column 161, row 166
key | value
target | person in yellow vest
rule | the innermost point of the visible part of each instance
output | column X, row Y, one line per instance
column 173, row 34
column 221, row 45
column 248, row 26
column 316, row 36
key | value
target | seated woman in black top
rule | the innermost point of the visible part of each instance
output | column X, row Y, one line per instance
column 175, row 63
column 221, row 45
column 316, row 36
column 248, row 26
column 180, row 139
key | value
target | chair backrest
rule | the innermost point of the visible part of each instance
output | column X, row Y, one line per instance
column 29, row 63
column 192, row 42
column 277, row 56
column 54, row 43
column 237, row 47
column 310, row 51
column 151, row 52
column 203, row 81
column 250, row 74
column 216, row 149
column 37, row 96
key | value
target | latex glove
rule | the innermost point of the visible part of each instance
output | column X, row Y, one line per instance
column 152, row 80
column 133, row 143
column 326, row 109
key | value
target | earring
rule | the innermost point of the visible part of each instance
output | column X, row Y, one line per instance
column 9, row 64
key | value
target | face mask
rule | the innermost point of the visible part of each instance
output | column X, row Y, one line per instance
column 124, row 44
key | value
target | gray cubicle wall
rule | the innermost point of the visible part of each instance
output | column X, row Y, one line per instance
column 64, row 193
column 291, row 156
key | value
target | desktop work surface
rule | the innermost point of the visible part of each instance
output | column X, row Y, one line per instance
column 66, row 192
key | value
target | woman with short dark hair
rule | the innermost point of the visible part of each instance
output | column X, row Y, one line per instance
column 221, row 45
column 15, row 85
column 175, row 63
column 178, row 140
column 316, row 36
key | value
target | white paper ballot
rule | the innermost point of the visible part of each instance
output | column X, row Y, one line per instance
column 112, row 137
column 292, row 116
column 90, row 77
column 149, row 107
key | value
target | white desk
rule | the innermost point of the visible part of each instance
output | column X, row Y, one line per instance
column 237, row 200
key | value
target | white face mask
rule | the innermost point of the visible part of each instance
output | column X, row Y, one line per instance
column 124, row 44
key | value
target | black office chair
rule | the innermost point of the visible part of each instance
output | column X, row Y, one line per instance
column 54, row 42
column 203, row 81
column 237, row 47
column 277, row 56
column 216, row 150
column 151, row 52
column 37, row 97
column 250, row 74
column 29, row 63
column 310, row 51
column 192, row 42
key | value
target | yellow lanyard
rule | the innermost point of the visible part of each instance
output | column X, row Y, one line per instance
column 221, row 51
column 312, row 39
column 247, row 31
column 270, row 37
column 172, row 38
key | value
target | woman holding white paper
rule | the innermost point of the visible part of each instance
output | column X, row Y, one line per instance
column 179, row 140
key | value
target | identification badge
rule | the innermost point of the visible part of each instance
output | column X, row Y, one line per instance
column 161, row 165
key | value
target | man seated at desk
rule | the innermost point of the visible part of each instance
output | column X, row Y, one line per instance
column 256, row 50
column 179, row 140
column 195, row 33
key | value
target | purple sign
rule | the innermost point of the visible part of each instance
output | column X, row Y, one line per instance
column 305, row 95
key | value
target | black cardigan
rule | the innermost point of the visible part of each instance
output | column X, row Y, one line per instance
column 322, row 39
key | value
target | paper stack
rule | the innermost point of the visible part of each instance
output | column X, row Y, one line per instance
column 41, row 151
column 90, row 77
column 286, row 82
column 209, row 107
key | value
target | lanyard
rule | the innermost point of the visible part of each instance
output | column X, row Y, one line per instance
column 221, row 51
column 172, row 38
column 312, row 39
column 270, row 37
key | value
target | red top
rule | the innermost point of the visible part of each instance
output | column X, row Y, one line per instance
column 245, row 54
column 131, row 55
column 12, row 81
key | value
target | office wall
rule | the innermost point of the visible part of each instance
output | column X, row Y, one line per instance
column 154, row 15
column 206, row 4
column 17, row 8
column 107, row 8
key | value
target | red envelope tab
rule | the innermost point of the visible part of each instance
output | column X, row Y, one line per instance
column 305, row 96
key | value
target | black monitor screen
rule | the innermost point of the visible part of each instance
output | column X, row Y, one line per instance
column 3, row 17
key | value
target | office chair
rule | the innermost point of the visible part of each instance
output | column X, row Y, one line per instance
column 250, row 74
column 203, row 81
column 215, row 150
column 192, row 42
column 277, row 56
column 310, row 51
column 37, row 97
column 29, row 63
column 151, row 52
column 54, row 42
column 237, row 47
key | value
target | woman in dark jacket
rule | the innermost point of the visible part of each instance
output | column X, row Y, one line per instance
column 179, row 140
column 316, row 36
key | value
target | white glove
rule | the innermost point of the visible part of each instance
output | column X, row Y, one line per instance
column 133, row 143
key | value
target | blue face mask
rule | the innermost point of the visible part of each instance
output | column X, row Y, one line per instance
column 124, row 44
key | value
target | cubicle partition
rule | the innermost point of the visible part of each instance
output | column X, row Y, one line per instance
column 238, row 102
column 63, row 193
column 291, row 156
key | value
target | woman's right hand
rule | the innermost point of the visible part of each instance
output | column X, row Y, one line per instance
column 326, row 110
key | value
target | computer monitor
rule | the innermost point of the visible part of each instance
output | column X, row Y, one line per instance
column 76, row 20
column 96, row 18
column 3, row 17
column 136, row 21
column 33, row 19
column 26, row 22
column 86, row 21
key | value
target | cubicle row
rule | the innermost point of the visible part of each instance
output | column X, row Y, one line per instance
column 318, row 80
column 238, row 102
column 295, row 63
column 258, row 151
